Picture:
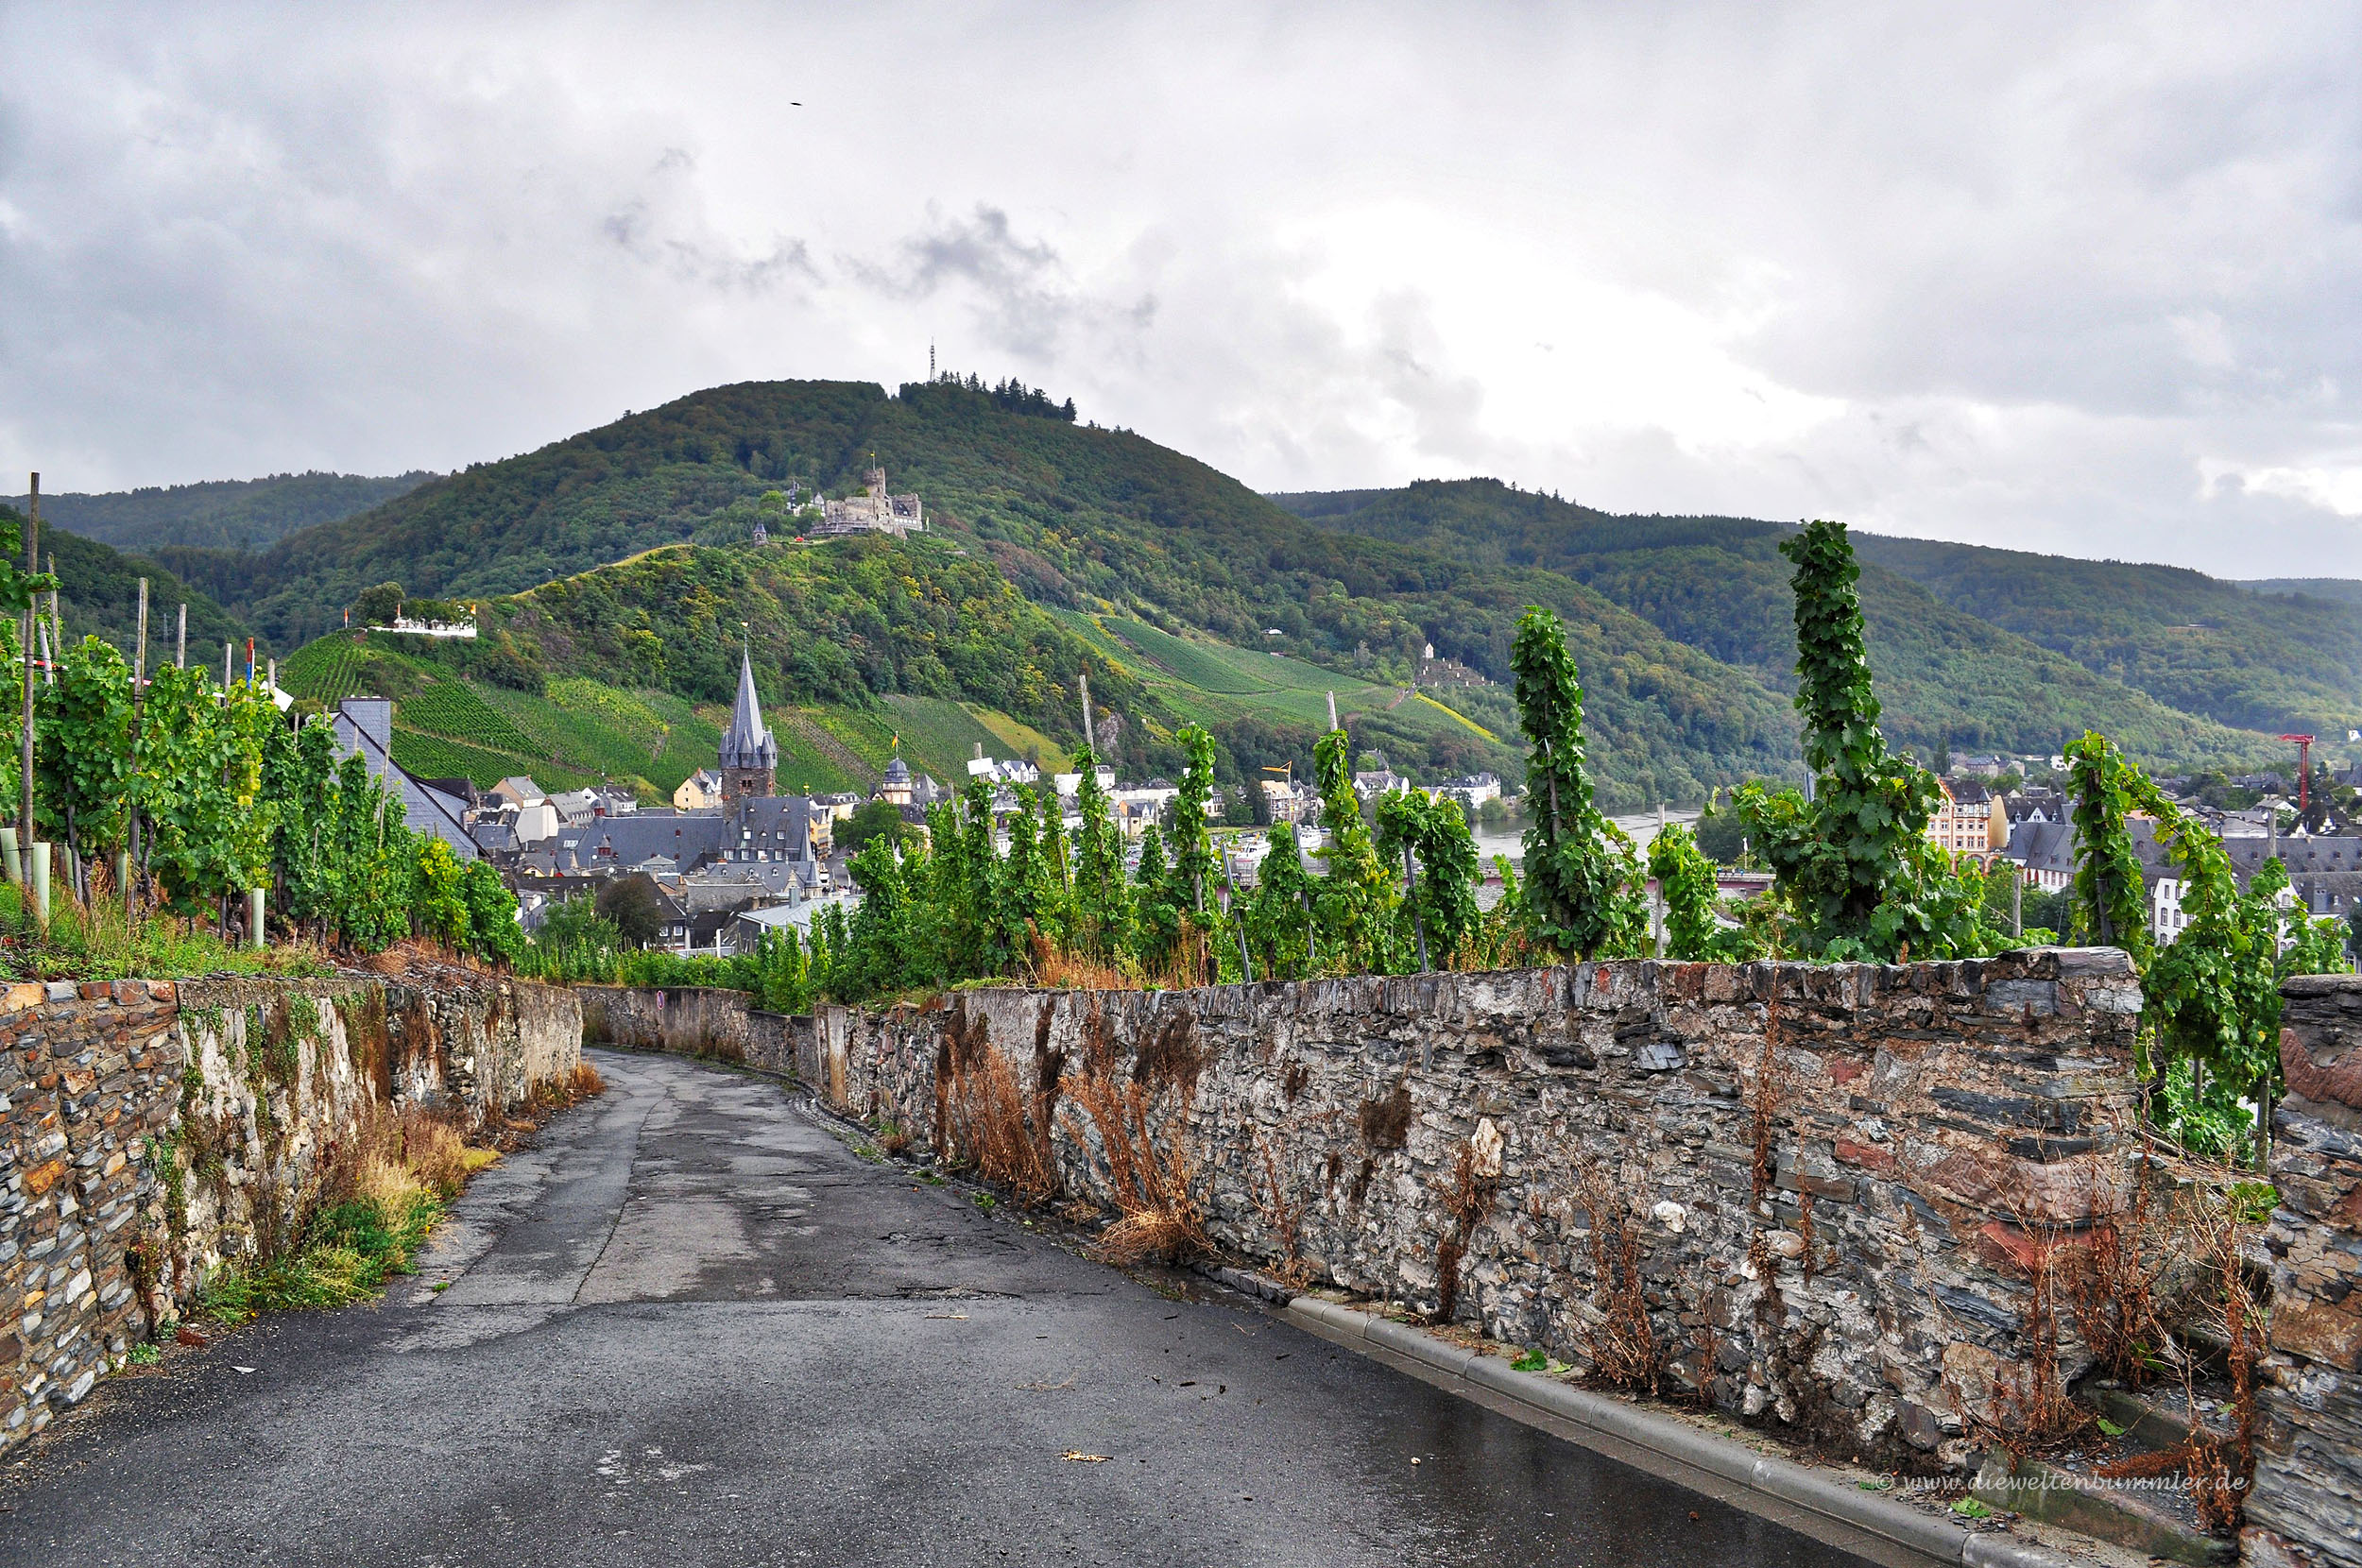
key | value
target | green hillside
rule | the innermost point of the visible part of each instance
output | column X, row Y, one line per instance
column 2263, row 662
column 229, row 514
column 648, row 480
column 1076, row 516
column 99, row 592
column 1054, row 547
column 449, row 725
column 1719, row 583
column 1231, row 691
column 2345, row 590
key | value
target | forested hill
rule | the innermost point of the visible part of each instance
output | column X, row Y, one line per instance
column 1077, row 516
column 231, row 513
column 100, row 592
column 1170, row 568
column 1720, row 584
column 2270, row 662
column 2345, row 590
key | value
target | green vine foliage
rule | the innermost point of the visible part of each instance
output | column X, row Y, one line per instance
column 1856, row 870
column 230, row 799
column 1443, row 904
column 1279, row 916
column 83, row 762
column 2111, row 897
column 1160, row 908
column 1580, row 885
column 1103, row 903
column 1035, row 896
column 1355, row 905
column 1196, row 870
column 2211, row 996
column 875, row 950
column 1194, row 881
column 1685, row 880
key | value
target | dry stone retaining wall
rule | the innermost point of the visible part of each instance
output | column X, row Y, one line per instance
column 2308, row 1474
column 690, row 1021
column 1929, row 1128
column 150, row 1131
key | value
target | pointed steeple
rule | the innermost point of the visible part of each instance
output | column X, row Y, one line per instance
column 748, row 748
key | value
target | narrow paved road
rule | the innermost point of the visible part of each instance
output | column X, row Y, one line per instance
column 693, row 1328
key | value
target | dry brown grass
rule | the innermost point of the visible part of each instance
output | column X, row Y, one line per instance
column 1622, row 1346
column 1055, row 969
column 416, row 957
column 556, row 1094
column 1150, row 1174
column 2210, row 1229
column 986, row 1110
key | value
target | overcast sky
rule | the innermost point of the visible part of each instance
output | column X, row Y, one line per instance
column 2073, row 278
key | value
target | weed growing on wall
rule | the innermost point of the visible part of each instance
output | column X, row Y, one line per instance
column 1618, row 1339
column 1475, row 1180
column 1151, row 1174
column 376, row 1193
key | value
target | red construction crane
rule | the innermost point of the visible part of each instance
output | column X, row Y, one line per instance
column 2304, row 773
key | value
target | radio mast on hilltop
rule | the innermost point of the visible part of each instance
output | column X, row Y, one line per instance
column 930, row 359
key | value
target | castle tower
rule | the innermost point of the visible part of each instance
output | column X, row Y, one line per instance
column 750, row 755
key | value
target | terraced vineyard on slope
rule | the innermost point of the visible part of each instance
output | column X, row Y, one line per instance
column 1215, row 684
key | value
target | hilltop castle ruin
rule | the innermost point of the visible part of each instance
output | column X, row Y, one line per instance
column 873, row 510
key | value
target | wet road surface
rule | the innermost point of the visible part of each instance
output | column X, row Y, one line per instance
column 693, row 1328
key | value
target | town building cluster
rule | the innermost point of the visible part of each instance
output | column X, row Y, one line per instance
column 2030, row 830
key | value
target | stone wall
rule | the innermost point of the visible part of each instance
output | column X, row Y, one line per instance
column 685, row 1020
column 1926, row 1129
column 149, row 1132
column 2308, row 1472
column 688, row 1020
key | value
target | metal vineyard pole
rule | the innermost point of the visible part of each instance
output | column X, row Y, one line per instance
column 25, row 622
column 138, row 713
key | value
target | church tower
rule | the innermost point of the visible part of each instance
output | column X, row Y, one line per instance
column 750, row 756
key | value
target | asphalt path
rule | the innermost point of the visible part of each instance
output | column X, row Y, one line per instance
column 692, row 1326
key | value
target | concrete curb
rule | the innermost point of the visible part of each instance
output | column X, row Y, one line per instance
column 1643, row 1429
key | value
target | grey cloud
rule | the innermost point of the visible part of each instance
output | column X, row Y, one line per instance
column 1018, row 290
column 2044, row 261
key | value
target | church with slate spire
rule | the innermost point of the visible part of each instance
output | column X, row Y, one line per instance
column 750, row 755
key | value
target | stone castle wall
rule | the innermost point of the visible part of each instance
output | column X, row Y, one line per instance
column 1926, row 1129
column 2308, row 1472
column 149, row 1132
